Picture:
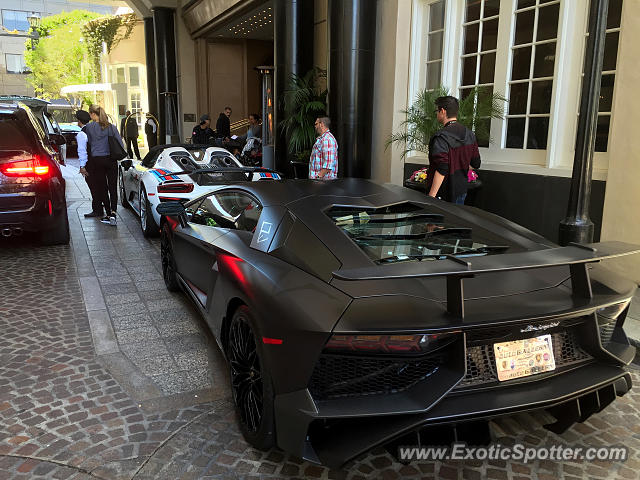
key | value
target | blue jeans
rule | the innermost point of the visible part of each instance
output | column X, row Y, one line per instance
column 460, row 199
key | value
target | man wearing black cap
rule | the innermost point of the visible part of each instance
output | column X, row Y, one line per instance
column 202, row 133
column 86, row 166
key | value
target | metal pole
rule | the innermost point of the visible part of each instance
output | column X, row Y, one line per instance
column 577, row 226
column 268, row 147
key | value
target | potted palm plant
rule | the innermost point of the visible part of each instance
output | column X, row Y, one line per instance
column 475, row 112
column 303, row 102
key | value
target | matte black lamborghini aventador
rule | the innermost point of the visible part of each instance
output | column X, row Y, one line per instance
column 352, row 313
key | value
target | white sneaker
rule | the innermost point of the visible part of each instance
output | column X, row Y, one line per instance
column 105, row 220
column 113, row 221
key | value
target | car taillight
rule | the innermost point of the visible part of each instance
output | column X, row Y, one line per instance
column 33, row 167
column 387, row 343
column 613, row 311
column 176, row 188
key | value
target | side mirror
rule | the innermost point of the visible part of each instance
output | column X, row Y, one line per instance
column 173, row 208
column 126, row 164
column 57, row 139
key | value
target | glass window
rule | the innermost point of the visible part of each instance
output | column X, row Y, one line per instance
column 15, row 20
column 533, row 57
column 13, row 134
column 120, row 75
column 136, row 107
column 134, row 76
column 409, row 232
column 608, row 74
column 435, row 36
column 15, row 63
column 234, row 210
column 480, row 30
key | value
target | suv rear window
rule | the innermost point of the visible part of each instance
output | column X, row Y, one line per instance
column 407, row 231
column 13, row 134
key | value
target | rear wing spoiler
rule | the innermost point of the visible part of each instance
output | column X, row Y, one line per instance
column 248, row 170
column 455, row 269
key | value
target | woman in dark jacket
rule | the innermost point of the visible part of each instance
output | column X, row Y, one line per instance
column 106, row 169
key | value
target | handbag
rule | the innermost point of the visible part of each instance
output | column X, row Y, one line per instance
column 473, row 179
column 116, row 150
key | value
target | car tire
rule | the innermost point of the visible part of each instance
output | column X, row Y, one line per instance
column 250, row 382
column 58, row 235
column 168, row 261
column 123, row 194
column 147, row 222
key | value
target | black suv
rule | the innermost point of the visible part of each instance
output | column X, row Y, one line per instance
column 41, row 111
column 32, row 190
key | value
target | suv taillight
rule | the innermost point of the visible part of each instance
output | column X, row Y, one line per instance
column 180, row 187
column 33, row 167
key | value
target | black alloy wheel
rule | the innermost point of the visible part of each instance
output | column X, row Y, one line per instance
column 168, row 262
column 250, row 383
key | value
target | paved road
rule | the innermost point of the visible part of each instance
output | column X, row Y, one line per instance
column 105, row 375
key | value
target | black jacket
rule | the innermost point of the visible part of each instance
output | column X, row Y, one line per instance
column 129, row 127
column 202, row 136
column 223, row 126
column 452, row 149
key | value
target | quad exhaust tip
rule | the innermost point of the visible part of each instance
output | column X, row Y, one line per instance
column 7, row 232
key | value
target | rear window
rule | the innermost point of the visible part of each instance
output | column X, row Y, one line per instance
column 63, row 115
column 410, row 232
column 13, row 134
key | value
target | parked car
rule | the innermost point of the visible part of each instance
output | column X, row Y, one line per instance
column 47, row 121
column 353, row 313
column 146, row 183
column 64, row 115
column 32, row 190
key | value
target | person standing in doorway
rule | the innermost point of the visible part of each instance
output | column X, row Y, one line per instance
column 452, row 150
column 223, row 125
column 130, row 134
column 323, row 164
column 86, row 166
column 123, row 123
column 105, row 168
column 151, row 130
column 202, row 133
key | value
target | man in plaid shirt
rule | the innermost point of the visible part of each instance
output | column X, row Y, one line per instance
column 323, row 163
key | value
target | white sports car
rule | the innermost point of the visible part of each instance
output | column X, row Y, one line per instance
column 146, row 183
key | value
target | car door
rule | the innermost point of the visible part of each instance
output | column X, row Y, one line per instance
column 218, row 214
column 58, row 130
column 134, row 177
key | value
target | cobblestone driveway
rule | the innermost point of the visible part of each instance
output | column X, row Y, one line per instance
column 149, row 398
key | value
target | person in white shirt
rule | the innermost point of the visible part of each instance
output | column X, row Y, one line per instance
column 85, row 165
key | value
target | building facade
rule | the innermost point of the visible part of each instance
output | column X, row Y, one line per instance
column 14, row 32
column 532, row 52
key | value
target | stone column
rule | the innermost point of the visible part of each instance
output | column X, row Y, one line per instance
column 293, row 53
column 352, row 41
column 166, row 76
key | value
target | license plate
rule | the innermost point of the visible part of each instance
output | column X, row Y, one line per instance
column 521, row 358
